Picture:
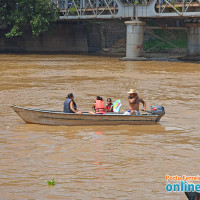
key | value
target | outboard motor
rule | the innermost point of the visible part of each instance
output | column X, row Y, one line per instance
column 158, row 110
column 192, row 195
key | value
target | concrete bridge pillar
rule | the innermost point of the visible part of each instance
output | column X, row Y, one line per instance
column 193, row 42
column 134, row 40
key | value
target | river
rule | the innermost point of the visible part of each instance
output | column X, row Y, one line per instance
column 96, row 162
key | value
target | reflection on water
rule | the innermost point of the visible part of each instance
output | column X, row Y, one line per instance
column 100, row 162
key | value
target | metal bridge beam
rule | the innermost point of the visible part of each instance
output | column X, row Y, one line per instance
column 118, row 9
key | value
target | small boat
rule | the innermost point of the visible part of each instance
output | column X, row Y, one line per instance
column 58, row 118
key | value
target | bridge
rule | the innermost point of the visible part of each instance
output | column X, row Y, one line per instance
column 135, row 11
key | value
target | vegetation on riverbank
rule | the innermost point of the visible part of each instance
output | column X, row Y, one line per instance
column 173, row 39
column 21, row 15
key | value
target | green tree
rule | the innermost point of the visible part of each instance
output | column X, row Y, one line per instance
column 20, row 15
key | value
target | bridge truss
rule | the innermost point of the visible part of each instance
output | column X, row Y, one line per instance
column 118, row 9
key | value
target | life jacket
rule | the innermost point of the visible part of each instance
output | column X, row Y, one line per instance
column 109, row 107
column 99, row 108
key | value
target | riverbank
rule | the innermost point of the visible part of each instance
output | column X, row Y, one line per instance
column 175, row 57
column 97, row 36
column 171, row 56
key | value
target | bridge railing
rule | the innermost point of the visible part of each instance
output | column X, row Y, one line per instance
column 177, row 6
column 87, row 7
column 63, row 4
column 94, row 8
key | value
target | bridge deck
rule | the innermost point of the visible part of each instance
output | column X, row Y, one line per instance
column 179, row 5
column 91, row 9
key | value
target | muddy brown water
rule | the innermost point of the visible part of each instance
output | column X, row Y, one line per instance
column 96, row 162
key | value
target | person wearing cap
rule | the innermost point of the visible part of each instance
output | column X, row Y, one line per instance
column 70, row 105
column 134, row 101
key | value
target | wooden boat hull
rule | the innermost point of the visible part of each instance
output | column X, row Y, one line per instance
column 57, row 118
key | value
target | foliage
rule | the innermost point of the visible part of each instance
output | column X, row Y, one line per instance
column 73, row 10
column 136, row 2
column 20, row 15
column 179, row 39
column 52, row 182
column 173, row 1
column 178, row 8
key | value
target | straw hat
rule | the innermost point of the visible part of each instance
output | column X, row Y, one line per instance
column 132, row 91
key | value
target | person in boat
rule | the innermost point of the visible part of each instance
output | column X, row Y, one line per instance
column 70, row 105
column 109, row 105
column 134, row 100
column 98, row 106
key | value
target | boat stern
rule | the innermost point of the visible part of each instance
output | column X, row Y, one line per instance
column 158, row 110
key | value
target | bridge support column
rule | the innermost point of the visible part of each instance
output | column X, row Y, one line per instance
column 193, row 42
column 134, row 40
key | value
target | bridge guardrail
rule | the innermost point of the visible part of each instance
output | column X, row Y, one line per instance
column 128, row 8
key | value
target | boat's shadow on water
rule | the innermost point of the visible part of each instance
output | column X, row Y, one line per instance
column 80, row 131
